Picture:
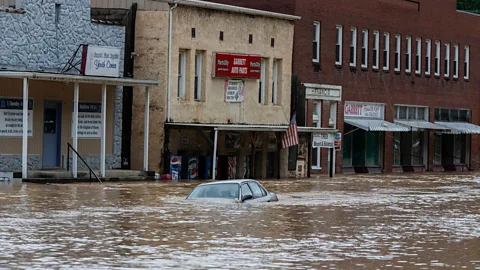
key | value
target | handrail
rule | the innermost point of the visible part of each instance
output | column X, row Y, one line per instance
column 84, row 162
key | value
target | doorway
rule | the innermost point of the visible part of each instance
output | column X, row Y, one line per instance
column 52, row 133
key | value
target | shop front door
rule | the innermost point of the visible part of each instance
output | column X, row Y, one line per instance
column 52, row 126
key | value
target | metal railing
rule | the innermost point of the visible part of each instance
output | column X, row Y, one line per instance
column 84, row 162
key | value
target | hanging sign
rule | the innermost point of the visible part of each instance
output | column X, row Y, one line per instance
column 231, row 65
column 323, row 140
column 11, row 117
column 89, row 120
column 364, row 110
column 234, row 91
column 100, row 61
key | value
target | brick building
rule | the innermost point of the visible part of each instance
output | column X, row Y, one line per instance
column 405, row 72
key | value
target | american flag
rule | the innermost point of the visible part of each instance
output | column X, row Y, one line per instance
column 291, row 136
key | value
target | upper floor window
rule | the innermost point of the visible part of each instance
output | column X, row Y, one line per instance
column 353, row 47
column 376, row 45
column 455, row 61
column 467, row 63
column 452, row 115
column 198, row 76
column 262, row 82
column 398, row 42
column 437, row 58
column 276, row 64
column 447, row 60
column 418, row 57
column 365, row 48
column 316, row 42
column 410, row 113
column 181, row 74
column 408, row 55
column 386, row 51
column 338, row 45
column 428, row 56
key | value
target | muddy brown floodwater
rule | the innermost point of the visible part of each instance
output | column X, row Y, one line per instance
column 410, row 221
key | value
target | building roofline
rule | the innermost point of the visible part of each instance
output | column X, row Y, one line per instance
column 235, row 9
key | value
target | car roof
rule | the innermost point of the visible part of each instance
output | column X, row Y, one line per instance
column 237, row 181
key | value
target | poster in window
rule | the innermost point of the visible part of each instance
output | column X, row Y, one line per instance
column 11, row 117
column 232, row 140
column 234, row 91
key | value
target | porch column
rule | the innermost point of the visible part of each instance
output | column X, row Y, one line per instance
column 214, row 171
column 76, row 88
column 25, row 129
column 146, row 128
column 103, row 130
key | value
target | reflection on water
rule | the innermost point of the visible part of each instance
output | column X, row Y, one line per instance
column 397, row 221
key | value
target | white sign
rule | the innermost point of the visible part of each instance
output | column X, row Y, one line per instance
column 11, row 117
column 101, row 61
column 323, row 92
column 323, row 140
column 364, row 110
column 234, row 91
column 89, row 120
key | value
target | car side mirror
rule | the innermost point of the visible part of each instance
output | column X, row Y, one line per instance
column 247, row 197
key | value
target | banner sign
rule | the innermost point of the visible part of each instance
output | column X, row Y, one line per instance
column 323, row 140
column 89, row 120
column 364, row 110
column 237, row 65
column 323, row 92
column 11, row 117
column 100, row 61
column 338, row 141
column 234, row 91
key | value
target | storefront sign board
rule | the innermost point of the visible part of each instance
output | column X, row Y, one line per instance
column 323, row 140
column 323, row 92
column 364, row 110
column 338, row 141
column 89, row 120
column 11, row 117
column 100, row 61
column 229, row 65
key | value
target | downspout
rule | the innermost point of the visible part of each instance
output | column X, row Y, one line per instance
column 170, row 26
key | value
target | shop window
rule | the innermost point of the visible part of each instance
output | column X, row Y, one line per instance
column 408, row 55
column 275, row 82
column 428, row 55
column 455, row 61
column 467, row 63
column 372, row 149
column 181, row 75
column 365, row 48
column 316, row 122
column 198, row 76
column 396, row 149
column 447, row 60
column 459, row 149
column 437, row 58
column 386, row 51
column 418, row 57
column 347, row 146
column 376, row 45
column 262, row 82
column 353, row 47
column 338, row 45
column 316, row 42
column 398, row 41
column 417, row 147
column 437, row 144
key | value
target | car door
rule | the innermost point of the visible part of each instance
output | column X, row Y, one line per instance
column 258, row 193
column 247, row 191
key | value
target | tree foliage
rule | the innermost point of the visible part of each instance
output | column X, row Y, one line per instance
column 469, row 5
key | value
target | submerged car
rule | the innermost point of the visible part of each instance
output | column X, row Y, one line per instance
column 245, row 190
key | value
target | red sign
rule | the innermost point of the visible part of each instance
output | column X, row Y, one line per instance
column 237, row 65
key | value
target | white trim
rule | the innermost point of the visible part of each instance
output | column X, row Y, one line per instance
column 76, row 90
column 317, row 40
column 447, row 60
column 455, row 61
column 408, row 54
column 428, row 56
column 146, row 128
column 386, row 49
column 376, row 49
column 25, row 130
column 353, row 44
column 418, row 56
column 467, row 63
column 398, row 52
column 339, row 43
column 181, row 80
column 319, row 124
column 365, row 48
column 198, row 75
column 437, row 58
column 103, row 130
column 214, row 162
column 275, row 82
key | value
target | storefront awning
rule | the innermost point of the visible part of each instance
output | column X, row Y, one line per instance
column 376, row 125
column 416, row 125
column 460, row 128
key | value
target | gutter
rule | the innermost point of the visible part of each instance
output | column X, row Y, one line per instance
column 170, row 26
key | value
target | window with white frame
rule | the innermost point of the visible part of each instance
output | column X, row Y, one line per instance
column 447, row 60
column 198, row 76
column 408, row 55
column 338, row 45
column 386, row 51
column 262, row 82
column 365, row 48
column 316, row 42
column 398, row 42
column 275, row 82
column 181, row 74
column 428, row 55
column 410, row 113
column 353, row 47
column 437, row 58
column 316, row 122
column 455, row 61
column 466, row 65
column 376, row 45
column 418, row 57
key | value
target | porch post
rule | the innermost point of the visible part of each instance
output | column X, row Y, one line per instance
column 76, row 88
column 25, row 129
column 214, row 171
column 103, row 130
column 146, row 128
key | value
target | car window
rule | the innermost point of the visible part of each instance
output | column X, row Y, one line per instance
column 257, row 191
column 224, row 191
column 246, row 190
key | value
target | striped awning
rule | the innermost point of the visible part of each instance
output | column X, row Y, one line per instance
column 460, row 128
column 376, row 125
column 421, row 125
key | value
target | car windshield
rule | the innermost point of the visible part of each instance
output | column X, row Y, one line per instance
column 223, row 191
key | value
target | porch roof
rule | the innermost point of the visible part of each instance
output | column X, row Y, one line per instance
column 415, row 125
column 46, row 76
column 460, row 128
column 236, row 127
column 375, row 125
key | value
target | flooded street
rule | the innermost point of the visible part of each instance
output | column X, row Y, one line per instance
column 410, row 221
